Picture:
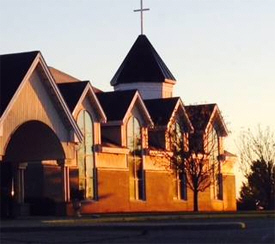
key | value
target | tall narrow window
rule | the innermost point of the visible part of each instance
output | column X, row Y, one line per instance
column 137, row 177
column 85, row 157
column 219, row 186
column 216, row 167
column 176, row 139
column 177, row 147
column 180, row 186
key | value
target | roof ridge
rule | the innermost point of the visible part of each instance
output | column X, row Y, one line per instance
column 73, row 83
column 202, row 104
column 164, row 98
column 20, row 53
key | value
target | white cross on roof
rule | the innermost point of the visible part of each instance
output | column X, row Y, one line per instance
column 141, row 14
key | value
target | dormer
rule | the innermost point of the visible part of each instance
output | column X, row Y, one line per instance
column 121, row 107
column 167, row 115
column 208, row 125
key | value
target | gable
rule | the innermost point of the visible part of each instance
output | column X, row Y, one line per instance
column 164, row 110
column 218, row 123
column 40, row 81
column 34, row 102
column 161, row 110
column 200, row 115
column 138, row 109
column 115, row 104
column 87, row 100
column 205, row 115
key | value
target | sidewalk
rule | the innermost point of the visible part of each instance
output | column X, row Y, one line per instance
column 184, row 221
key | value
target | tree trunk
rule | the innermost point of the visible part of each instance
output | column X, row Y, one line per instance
column 196, row 202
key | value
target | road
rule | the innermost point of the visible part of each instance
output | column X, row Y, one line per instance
column 258, row 230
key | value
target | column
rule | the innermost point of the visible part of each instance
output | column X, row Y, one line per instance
column 21, row 182
column 65, row 180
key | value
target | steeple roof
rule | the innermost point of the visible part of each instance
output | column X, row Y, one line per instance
column 142, row 64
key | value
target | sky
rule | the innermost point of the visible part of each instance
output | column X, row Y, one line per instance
column 220, row 51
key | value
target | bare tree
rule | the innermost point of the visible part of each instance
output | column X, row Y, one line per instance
column 257, row 162
column 253, row 146
column 199, row 163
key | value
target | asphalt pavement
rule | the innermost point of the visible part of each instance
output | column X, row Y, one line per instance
column 178, row 221
column 142, row 228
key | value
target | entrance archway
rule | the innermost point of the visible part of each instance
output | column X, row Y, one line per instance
column 32, row 171
column 34, row 141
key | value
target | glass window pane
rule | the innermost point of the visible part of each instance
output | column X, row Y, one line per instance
column 81, row 167
column 88, row 133
column 85, row 155
column 80, row 121
column 134, row 159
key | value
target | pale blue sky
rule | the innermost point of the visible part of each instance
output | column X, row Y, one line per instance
column 220, row 51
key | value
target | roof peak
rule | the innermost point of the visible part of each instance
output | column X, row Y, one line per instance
column 142, row 64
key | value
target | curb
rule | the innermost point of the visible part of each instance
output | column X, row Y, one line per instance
column 133, row 222
column 129, row 226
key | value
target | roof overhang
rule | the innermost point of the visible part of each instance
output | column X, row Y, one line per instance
column 172, row 82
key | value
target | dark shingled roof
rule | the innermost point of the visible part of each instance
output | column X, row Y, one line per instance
column 142, row 64
column 61, row 77
column 115, row 104
column 161, row 109
column 13, row 68
column 199, row 115
column 72, row 92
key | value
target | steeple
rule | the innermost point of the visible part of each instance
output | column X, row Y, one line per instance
column 143, row 69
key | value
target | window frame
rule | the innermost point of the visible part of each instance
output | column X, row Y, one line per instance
column 89, row 178
column 135, row 160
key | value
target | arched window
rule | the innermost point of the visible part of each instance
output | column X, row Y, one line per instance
column 85, row 156
column 177, row 147
column 213, row 145
column 134, row 143
column 176, row 137
column 179, row 134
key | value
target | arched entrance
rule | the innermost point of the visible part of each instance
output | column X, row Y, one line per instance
column 32, row 171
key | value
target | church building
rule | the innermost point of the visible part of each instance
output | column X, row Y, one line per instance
column 62, row 139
